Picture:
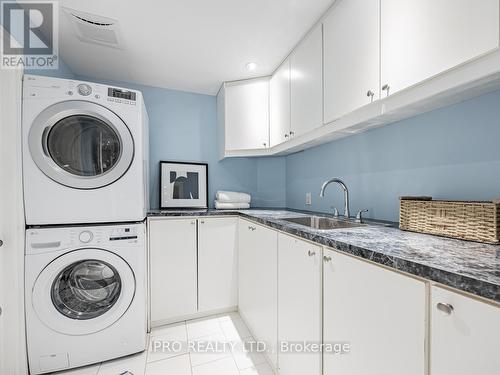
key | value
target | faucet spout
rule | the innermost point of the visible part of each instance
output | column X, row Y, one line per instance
column 346, row 193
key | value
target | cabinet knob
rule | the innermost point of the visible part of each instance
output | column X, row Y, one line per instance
column 251, row 228
column 370, row 94
column 264, row 144
column 311, row 253
column 1, row 243
column 327, row 259
column 286, row 135
column 292, row 132
column 445, row 308
column 202, row 221
column 193, row 222
column 386, row 88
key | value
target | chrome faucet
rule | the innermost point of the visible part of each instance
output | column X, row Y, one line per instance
column 346, row 193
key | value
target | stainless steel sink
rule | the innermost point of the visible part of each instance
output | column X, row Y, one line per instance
column 323, row 223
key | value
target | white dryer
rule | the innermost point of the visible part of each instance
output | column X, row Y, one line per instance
column 85, row 295
column 85, row 152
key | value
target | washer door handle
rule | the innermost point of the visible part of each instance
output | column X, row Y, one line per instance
column 45, row 134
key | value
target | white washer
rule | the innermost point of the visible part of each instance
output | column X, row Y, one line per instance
column 85, row 295
column 85, row 152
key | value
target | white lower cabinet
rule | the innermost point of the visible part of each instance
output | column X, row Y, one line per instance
column 173, row 269
column 299, row 305
column 292, row 293
column 465, row 335
column 192, row 271
column 217, row 263
column 258, row 289
column 381, row 315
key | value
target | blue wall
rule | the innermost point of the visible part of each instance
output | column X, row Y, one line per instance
column 450, row 153
column 183, row 127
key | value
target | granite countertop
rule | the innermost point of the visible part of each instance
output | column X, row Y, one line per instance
column 467, row 266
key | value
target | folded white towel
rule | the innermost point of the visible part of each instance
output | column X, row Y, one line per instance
column 230, row 206
column 232, row 197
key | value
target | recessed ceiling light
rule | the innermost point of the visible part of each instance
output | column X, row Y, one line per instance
column 251, row 66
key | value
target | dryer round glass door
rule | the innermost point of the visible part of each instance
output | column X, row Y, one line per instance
column 81, row 145
column 83, row 291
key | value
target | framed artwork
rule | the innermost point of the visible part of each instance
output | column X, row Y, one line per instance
column 183, row 185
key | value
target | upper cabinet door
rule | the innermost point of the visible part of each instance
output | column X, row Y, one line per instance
column 351, row 41
column 306, row 72
column 247, row 114
column 280, row 104
column 421, row 38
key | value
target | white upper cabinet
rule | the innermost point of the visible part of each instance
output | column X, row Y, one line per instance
column 306, row 83
column 465, row 335
column 279, row 90
column 351, row 42
column 422, row 38
column 246, row 114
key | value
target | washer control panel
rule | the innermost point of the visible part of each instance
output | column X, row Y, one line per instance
column 86, row 236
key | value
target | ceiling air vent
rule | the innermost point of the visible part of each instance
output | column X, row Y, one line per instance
column 92, row 28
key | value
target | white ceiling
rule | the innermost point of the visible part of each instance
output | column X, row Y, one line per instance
column 190, row 45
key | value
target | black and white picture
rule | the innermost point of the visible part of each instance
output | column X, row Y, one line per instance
column 183, row 185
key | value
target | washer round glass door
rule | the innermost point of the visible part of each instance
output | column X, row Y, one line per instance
column 83, row 291
column 86, row 289
column 81, row 144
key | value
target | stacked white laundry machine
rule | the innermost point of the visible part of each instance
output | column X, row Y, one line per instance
column 85, row 169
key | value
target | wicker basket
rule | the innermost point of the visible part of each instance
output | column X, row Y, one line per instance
column 473, row 221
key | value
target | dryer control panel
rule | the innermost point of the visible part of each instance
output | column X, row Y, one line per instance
column 47, row 87
column 39, row 240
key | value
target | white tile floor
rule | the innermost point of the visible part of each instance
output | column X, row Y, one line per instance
column 162, row 359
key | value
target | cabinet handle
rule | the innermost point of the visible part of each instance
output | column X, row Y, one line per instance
column 252, row 228
column 286, row 136
column 327, row 259
column 202, row 221
column 386, row 88
column 292, row 133
column 445, row 307
column 193, row 222
column 311, row 253
column 1, row 243
column 370, row 94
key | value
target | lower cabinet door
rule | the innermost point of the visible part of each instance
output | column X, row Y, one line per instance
column 173, row 273
column 299, row 306
column 258, row 277
column 465, row 335
column 376, row 315
column 217, row 263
